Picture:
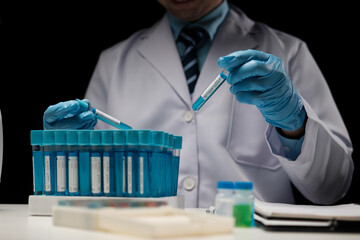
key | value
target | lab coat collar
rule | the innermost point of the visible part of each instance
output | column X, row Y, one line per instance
column 158, row 46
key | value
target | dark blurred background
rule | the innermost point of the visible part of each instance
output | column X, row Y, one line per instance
column 48, row 53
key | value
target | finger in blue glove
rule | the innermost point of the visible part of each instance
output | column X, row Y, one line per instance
column 260, row 79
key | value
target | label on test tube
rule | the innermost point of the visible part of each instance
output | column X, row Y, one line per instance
column 129, row 174
column 95, row 175
column 106, row 173
column 107, row 117
column 141, row 175
column 124, row 174
column 73, row 174
column 47, row 174
column 213, row 86
column 61, row 173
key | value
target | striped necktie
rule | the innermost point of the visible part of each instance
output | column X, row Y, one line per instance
column 193, row 38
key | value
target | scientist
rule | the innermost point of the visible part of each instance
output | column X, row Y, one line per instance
column 277, row 125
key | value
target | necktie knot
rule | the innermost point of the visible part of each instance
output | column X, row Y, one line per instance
column 194, row 36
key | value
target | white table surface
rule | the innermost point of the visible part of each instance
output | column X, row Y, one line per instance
column 15, row 223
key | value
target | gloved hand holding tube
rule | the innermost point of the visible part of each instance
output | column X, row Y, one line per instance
column 69, row 115
column 260, row 79
column 77, row 114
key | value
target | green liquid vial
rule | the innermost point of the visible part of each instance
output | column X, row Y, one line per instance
column 243, row 215
column 243, row 210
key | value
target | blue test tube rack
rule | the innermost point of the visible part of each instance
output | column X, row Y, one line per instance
column 112, row 163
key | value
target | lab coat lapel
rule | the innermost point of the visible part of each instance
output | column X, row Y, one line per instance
column 159, row 49
column 234, row 35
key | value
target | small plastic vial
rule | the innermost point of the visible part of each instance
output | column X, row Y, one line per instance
column 224, row 200
column 244, row 204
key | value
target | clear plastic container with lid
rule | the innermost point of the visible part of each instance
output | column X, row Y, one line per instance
column 224, row 199
column 244, row 204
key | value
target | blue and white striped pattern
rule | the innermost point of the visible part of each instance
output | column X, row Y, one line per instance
column 193, row 38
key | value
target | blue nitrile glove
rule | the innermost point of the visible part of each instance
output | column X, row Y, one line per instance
column 260, row 79
column 68, row 115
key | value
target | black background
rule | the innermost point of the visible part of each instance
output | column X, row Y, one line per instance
column 49, row 51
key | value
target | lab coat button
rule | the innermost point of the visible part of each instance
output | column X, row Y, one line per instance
column 189, row 184
column 188, row 116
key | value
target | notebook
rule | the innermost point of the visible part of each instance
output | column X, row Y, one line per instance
column 281, row 216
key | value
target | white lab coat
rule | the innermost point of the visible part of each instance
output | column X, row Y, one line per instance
column 141, row 82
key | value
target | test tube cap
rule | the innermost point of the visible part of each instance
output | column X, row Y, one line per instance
column 95, row 137
column 171, row 141
column 119, row 137
column 244, row 185
column 157, row 138
column 36, row 137
column 72, row 137
column 48, row 137
column 225, row 185
column 107, row 137
column 132, row 137
column 144, row 137
column 177, row 142
column 166, row 139
column 84, row 137
column 60, row 137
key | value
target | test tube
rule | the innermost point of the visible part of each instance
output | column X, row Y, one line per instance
column 49, row 162
column 155, row 161
column 120, row 162
column 169, row 165
column 96, row 163
column 219, row 80
column 108, row 163
column 61, row 164
column 103, row 116
column 132, row 163
column 144, row 153
column 176, row 162
column 36, row 139
column 84, row 163
column 73, row 162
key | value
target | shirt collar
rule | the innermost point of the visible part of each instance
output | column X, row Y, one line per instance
column 209, row 22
